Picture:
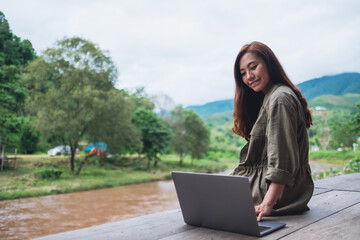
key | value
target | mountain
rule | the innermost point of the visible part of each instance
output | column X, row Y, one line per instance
column 208, row 109
column 218, row 119
column 336, row 85
column 346, row 102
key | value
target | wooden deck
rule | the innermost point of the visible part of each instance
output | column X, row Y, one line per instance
column 334, row 214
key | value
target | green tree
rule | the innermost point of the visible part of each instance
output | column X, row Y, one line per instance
column 115, row 125
column 71, row 92
column 342, row 134
column 179, row 141
column 155, row 134
column 355, row 121
column 142, row 99
column 342, row 129
column 190, row 134
column 14, row 55
column 29, row 138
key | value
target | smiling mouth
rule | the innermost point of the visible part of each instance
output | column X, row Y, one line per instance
column 254, row 82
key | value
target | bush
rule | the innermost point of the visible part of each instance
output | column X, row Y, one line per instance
column 49, row 173
column 218, row 154
column 353, row 166
column 325, row 174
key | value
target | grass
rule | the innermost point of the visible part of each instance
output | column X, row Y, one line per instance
column 33, row 177
column 339, row 157
column 349, row 159
column 29, row 180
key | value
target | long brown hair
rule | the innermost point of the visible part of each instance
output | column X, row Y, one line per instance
column 247, row 102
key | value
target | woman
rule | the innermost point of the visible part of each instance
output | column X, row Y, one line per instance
column 272, row 115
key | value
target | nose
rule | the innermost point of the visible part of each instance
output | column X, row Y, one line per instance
column 249, row 75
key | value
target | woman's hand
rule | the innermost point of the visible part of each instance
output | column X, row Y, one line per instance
column 263, row 210
column 271, row 196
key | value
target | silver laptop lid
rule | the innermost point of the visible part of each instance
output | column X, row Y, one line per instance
column 217, row 201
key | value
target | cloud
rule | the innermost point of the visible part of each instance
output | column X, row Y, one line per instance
column 186, row 49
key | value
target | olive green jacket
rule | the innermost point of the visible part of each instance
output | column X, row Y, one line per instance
column 277, row 151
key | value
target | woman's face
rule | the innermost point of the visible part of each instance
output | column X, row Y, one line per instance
column 254, row 72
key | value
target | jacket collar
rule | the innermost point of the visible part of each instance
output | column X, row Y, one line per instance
column 271, row 90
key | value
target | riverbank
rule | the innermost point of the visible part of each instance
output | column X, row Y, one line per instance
column 336, row 157
column 36, row 174
column 338, row 162
column 33, row 176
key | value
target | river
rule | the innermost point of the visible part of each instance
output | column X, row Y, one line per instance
column 39, row 216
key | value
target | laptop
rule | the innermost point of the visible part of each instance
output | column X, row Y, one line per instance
column 220, row 202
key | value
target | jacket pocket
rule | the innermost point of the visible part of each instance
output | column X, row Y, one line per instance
column 257, row 144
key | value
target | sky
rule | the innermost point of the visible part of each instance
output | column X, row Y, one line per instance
column 185, row 49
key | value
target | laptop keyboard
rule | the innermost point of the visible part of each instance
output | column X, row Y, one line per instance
column 263, row 228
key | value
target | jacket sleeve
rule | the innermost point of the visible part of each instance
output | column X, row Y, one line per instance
column 282, row 146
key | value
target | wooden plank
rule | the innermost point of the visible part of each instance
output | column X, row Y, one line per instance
column 206, row 234
column 322, row 205
column 342, row 225
column 153, row 226
column 318, row 191
column 345, row 182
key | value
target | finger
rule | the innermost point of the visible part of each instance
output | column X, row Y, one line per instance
column 257, row 210
column 260, row 216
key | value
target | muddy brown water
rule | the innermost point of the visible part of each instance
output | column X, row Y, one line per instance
column 39, row 216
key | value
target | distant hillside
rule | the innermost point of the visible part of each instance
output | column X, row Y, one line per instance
column 346, row 102
column 208, row 109
column 218, row 119
column 336, row 85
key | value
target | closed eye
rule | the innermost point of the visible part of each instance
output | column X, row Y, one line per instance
column 253, row 67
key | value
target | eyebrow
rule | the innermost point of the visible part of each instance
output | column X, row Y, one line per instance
column 249, row 64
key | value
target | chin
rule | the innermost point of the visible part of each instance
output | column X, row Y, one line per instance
column 257, row 89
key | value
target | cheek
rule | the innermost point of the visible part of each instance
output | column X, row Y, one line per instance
column 263, row 72
column 260, row 70
column 267, row 77
column 242, row 79
column 245, row 82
